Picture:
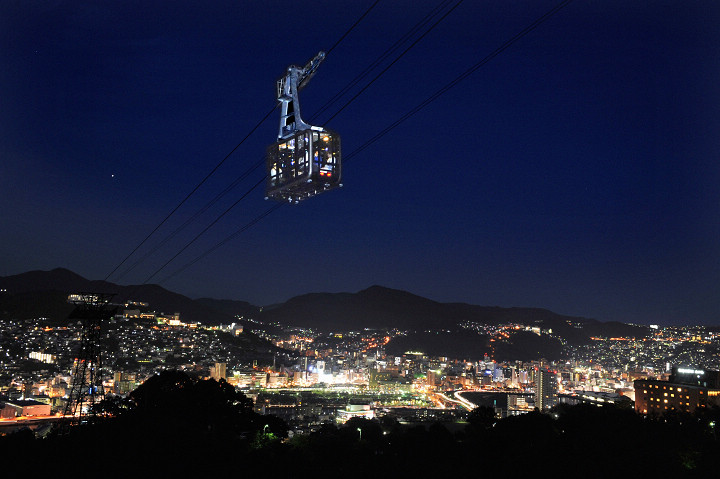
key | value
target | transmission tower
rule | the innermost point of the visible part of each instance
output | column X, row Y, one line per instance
column 87, row 389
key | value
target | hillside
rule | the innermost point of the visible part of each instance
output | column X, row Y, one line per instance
column 380, row 307
column 42, row 294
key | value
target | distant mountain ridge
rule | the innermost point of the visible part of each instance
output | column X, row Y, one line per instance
column 380, row 307
column 43, row 294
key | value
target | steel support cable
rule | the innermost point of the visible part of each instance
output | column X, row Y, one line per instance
column 247, row 226
column 262, row 180
column 192, row 192
column 395, row 46
column 214, row 200
column 385, row 131
column 352, row 27
column 197, row 214
column 342, row 37
column 460, row 78
column 362, row 90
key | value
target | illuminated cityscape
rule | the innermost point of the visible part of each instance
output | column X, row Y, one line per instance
column 295, row 386
column 291, row 370
column 486, row 246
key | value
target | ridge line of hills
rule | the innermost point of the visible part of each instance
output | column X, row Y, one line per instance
column 43, row 294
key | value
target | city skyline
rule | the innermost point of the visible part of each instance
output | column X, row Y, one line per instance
column 574, row 172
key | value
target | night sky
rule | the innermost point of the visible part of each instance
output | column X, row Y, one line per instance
column 577, row 171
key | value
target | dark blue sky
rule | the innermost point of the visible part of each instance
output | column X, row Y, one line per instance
column 577, row 171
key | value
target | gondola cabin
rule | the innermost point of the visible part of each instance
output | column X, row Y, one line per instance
column 306, row 164
column 305, row 161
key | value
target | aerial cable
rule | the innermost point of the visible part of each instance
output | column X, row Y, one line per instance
column 460, row 78
column 385, row 131
column 394, row 61
column 187, row 245
column 192, row 192
column 342, row 37
column 352, row 27
column 379, row 59
column 202, row 210
column 247, row 226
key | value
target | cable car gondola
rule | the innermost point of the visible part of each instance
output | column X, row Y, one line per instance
column 305, row 161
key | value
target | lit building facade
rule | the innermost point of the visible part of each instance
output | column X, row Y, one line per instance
column 687, row 390
column 355, row 410
column 218, row 371
column 545, row 389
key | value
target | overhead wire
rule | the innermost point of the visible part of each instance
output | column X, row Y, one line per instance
column 391, row 49
column 195, row 216
column 396, row 123
column 187, row 245
column 343, row 107
column 192, row 192
column 347, row 32
column 382, row 72
column 244, row 228
column 459, row 78
column 350, row 101
column 257, row 125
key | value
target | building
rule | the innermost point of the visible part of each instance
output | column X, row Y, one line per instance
column 43, row 357
column 355, row 410
column 545, row 389
column 687, row 390
column 24, row 408
column 123, row 382
column 218, row 371
column 600, row 398
column 517, row 405
column 433, row 377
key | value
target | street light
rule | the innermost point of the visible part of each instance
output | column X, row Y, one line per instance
column 265, row 428
column 360, row 431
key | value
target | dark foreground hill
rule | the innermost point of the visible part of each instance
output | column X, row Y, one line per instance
column 173, row 425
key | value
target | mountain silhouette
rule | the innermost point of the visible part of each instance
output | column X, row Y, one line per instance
column 43, row 294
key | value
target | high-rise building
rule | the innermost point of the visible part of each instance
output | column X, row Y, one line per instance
column 687, row 390
column 217, row 372
column 124, row 382
column 545, row 389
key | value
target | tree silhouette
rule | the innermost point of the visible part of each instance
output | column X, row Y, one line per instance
column 181, row 408
column 481, row 418
column 371, row 429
